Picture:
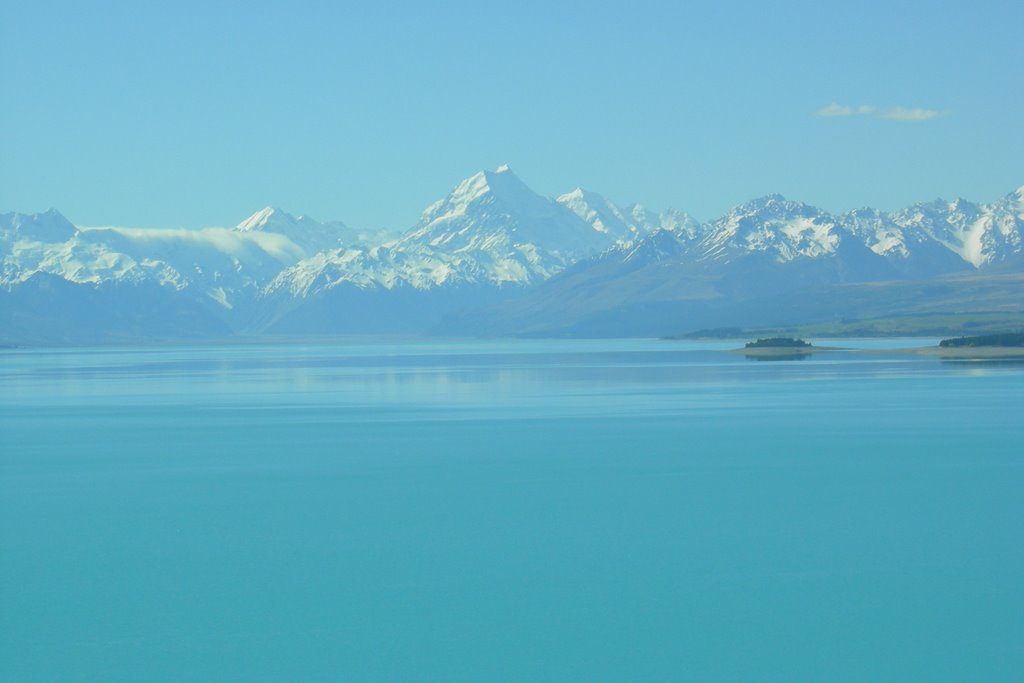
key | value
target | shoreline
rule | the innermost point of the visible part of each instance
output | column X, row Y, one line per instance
column 971, row 351
column 773, row 351
column 963, row 352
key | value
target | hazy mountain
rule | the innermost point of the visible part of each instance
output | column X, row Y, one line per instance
column 489, row 235
column 309, row 234
column 494, row 257
column 981, row 234
column 625, row 226
column 761, row 260
column 48, row 227
column 160, row 272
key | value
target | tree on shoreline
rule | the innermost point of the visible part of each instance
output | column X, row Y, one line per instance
column 1006, row 339
column 777, row 343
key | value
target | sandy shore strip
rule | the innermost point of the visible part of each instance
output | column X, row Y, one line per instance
column 772, row 351
column 971, row 351
column 964, row 352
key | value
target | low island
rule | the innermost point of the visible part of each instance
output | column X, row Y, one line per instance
column 1005, row 345
column 997, row 345
column 1008, row 340
column 778, row 343
column 777, row 348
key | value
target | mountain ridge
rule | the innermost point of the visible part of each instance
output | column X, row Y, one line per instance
column 492, row 240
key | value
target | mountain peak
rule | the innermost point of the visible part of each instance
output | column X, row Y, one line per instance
column 495, row 211
column 48, row 226
column 580, row 195
column 263, row 217
column 500, row 182
column 303, row 231
column 773, row 205
column 770, row 198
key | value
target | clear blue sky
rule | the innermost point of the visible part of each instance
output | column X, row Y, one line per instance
column 191, row 114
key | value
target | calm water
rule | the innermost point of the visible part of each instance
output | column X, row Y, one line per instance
column 568, row 511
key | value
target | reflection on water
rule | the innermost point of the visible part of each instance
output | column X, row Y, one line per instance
column 529, row 376
column 778, row 356
column 1013, row 363
column 563, row 510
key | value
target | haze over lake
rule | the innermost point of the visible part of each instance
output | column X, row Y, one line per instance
column 508, row 510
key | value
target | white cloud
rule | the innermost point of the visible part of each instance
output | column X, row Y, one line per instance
column 889, row 113
column 223, row 240
column 835, row 109
column 908, row 114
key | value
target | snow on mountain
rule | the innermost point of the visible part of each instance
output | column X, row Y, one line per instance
column 627, row 225
column 922, row 240
column 220, row 263
column 310, row 234
column 773, row 225
column 492, row 236
column 384, row 266
column 660, row 245
column 217, row 263
column 762, row 258
column 678, row 222
column 398, row 264
column 603, row 216
column 47, row 228
column 491, row 230
column 881, row 234
column 495, row 212
column 910, row 248
column 981, row 234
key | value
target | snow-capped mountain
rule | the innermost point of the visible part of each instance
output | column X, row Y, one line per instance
column 909, row 248
column 496, row 211
column 745, row 262
column 385, row 266
column 773, row 225
column 215, row 263
column 981, row 234
column 920, row 241
column 309, row 234
column 625, row 226
column 603, row 216
column 489, row 239
column 49, row 227
column 491, row 230
column 519, row 237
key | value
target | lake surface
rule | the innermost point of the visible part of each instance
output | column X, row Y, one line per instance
column 509, row 510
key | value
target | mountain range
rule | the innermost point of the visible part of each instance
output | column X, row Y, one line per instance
column 493, row 257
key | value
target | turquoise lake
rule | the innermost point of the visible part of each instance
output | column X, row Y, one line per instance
column 632, row 510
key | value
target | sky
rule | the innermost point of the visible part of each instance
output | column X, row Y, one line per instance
column 185, row 114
